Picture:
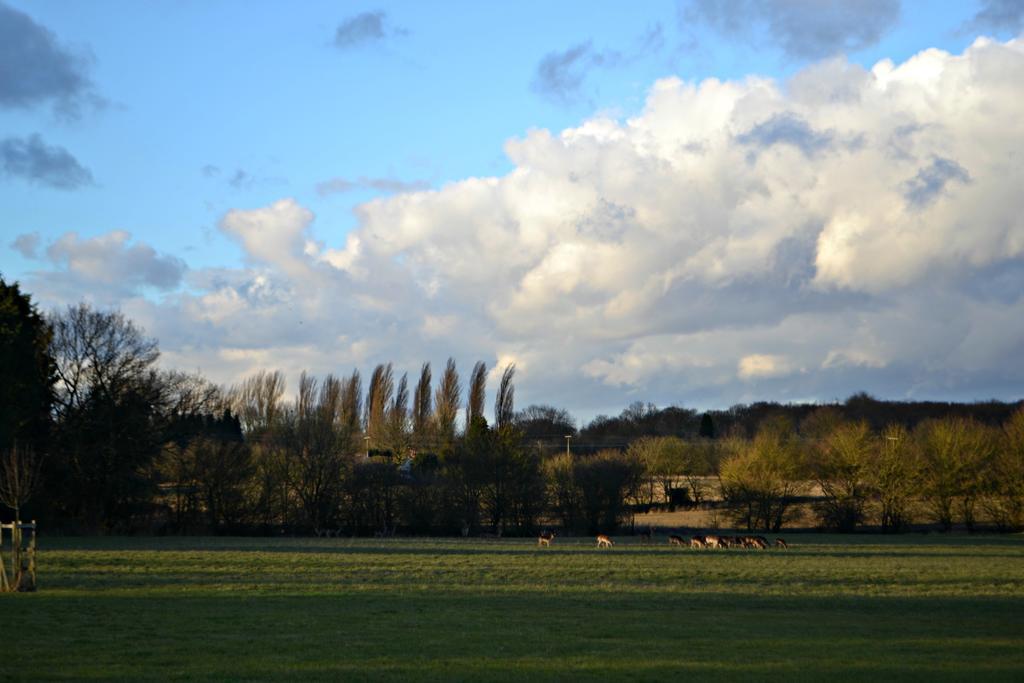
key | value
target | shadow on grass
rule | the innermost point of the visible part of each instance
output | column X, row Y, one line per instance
column 535, row 635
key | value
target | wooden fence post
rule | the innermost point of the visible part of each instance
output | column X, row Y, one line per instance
column 16, row 542
column 23, row 557
column 32, row 555
column 5, row 585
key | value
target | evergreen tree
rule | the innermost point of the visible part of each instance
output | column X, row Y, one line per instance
column 707, row 427
column 26, row 370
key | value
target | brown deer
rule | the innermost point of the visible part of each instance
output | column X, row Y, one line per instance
column 603, row 541
column 545, row 538
column 714, row 542
column 698, row 542
column 781, row 543
column 676, row 540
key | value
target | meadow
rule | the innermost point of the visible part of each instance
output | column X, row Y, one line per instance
column 934, row 607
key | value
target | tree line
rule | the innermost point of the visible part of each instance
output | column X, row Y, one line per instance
column 94, row 437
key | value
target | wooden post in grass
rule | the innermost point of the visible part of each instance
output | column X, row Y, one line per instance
column 16, row 542
column 5, row 584
column 30, row 555
column 23, row 557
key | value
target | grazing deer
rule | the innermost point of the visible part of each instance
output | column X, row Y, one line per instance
column 603, row 541
column 714, row 542
column 781, row 543
column 759, row 542
column 676, row 540
column 698, row 542
column 545, row 538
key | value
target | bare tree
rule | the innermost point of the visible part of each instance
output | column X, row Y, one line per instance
column 398, row 416
column 19, row 477
column 446, row 402
column 540, row 422
column 477, row 388
column 193, row 394
column 894, row 476
column 257, row 401
column 111, row 409
column 98, row 353
column 305, row 400
column 664, row 460
column 330, row 402
column 315, row 447
column 954, row 455
column 378, row 396
column 840, row 462
column 351, row 401
column 761, row 479
column 504, row 408
column 421, row 406
column 1004, row 480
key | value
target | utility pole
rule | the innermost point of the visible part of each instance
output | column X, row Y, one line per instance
column 568, row 437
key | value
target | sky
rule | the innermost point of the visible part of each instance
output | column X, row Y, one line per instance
column 682, row 203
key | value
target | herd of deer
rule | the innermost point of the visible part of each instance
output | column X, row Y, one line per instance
column 710, row 541
column 605, row 541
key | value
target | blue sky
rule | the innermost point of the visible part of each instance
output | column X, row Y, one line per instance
column 138, row 134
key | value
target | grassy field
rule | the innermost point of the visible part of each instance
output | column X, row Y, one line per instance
column 839, row 608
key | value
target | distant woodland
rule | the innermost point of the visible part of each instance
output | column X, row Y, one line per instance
column 96, row 438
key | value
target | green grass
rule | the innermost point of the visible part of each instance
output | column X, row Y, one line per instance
column 838, row 608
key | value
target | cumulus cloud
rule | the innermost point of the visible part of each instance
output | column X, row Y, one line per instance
column 108, row 268
column 35, row 161
column 803, row 29
column 363, row 29
column 111, row 260
column 660, row 247
column 277, row 235
column 874, row 241
column 37, row 69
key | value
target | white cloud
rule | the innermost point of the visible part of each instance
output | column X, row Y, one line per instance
column 105, row 269
column 763, row 365
column 275, row 235
column 849, row 229
column 108, row 259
